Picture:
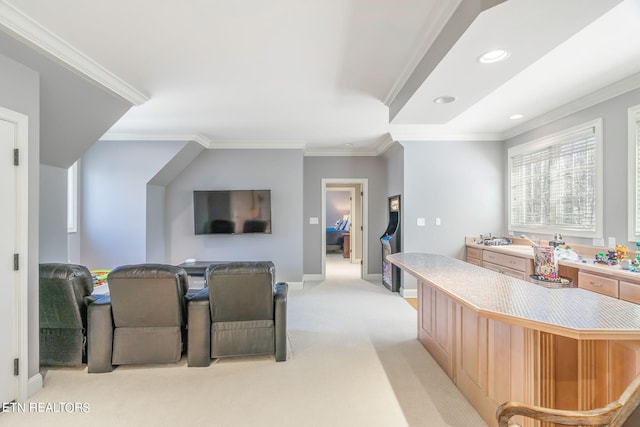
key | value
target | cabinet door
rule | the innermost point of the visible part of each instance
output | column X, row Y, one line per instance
column 630, row 291
column 471, row 354
column 599, row 284
column 436, row 327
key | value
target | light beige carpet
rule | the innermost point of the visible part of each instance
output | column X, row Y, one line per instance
column 354, row 361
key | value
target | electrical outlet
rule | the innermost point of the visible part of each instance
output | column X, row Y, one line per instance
column 313, row 220
column 421, row 222
column 612, row 242
column 598, row 242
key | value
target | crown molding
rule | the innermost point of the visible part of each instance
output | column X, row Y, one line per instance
column 339, row 153
column 386, row 143
column 258, row 145
column 205, row 141
column 200, row 139
column 601, row 95
column 435, row 133
column 17, row 23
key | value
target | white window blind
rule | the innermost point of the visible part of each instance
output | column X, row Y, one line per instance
column 72, row 198
column 637, row 177
column 634, row 173
column 554, row 183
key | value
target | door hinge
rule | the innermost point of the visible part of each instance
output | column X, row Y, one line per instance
column 16, row 157
column 16, row 367
column 16, row 262
column 362, row 193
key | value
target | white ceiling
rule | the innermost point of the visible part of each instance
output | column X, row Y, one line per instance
column 321, row 74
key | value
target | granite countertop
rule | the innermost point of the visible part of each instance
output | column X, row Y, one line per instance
column 571, row 312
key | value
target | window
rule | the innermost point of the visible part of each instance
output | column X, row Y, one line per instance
column 72, row 198
column 634, row 174
column 555, row 183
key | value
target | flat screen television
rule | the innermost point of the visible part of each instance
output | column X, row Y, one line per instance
column 232, row 211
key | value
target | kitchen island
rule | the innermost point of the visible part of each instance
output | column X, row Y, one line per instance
column 500, row 338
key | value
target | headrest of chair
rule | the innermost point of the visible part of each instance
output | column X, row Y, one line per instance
column 241, row 267
column 68, row 272
column 58, row 270
column 146, row 271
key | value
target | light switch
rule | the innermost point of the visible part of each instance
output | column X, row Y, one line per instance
column 437, row 221
column 421, row 222
column 313, row 220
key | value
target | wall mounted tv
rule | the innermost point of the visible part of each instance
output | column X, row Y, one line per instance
column 232, row 211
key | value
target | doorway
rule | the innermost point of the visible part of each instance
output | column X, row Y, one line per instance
column 354, row 236
column 13, row 235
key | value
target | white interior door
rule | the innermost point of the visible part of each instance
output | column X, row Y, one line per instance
column 8, row 277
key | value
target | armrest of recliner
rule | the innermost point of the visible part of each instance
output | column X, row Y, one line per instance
column 199, row 329
column 99, row 336
column 280, row 302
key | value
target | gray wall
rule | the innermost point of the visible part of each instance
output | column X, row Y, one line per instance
column 277, row 170
column 53, row 218
column 20, row 92
column 114, row 199
column 460, row 183
column 394, row 157
column 155, row 234
column 614, row 127
column 317, row 168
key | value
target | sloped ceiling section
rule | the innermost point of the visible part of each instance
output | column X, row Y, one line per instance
column 461, row 19
column 74, row 112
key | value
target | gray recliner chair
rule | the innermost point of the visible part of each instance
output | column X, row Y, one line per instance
column 241, row 312
column 65, row 291
column 143, row 321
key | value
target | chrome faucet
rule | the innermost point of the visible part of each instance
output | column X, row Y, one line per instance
column 534, row 244
column 557, row 240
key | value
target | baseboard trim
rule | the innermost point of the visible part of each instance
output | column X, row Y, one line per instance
column 34, row 384
column 312, row 278
column 409, row 293
column 373, row 277
column 295, row 285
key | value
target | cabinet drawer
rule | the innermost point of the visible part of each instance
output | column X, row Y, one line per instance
column 602, row 285
column 474, row 253
column 474, row 261
column 504, row 270
column 630, row 291
column 512, row 262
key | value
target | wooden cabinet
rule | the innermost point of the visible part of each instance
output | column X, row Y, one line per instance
column 600, row 284
column 513, row 266
column 629, row 291
column 436, row 326
column 346, row 245
column 474, row 256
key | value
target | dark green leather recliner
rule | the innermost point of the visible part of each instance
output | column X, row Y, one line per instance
column 65, row 291
column 241, row 312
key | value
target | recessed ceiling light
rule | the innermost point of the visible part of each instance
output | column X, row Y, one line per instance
column 348, row 144
column 516, row 117
column 492, row 56
column 444, row 99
